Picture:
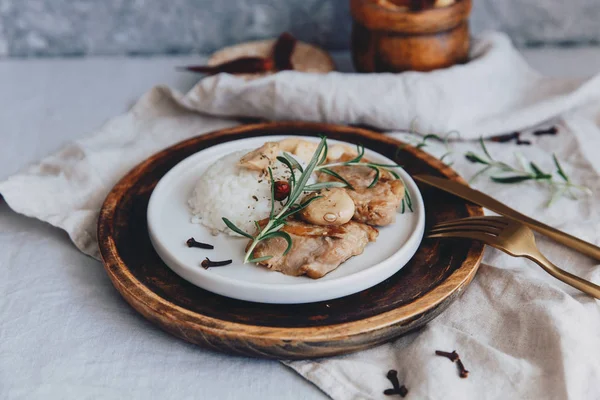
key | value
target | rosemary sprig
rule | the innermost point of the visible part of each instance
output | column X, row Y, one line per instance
column 529, row 171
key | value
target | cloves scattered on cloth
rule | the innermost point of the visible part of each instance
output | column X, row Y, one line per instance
column 454, row 357
column 398, row 389
column 516, row 136
column 553, row 130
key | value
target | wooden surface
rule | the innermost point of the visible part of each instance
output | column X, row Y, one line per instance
column 435, row 276
column 389, row 40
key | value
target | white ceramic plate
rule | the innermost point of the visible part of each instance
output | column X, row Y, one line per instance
column 169, row 225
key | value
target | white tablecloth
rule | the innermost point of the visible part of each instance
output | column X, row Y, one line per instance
column 65, row 332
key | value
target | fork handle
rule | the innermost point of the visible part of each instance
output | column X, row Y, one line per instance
column 578, row 283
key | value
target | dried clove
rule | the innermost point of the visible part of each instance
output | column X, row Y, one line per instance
column 191, row 242
column 454, row 357
column 462, row 371
column 516, row 136
column 402, row 391
column 553, row 130
column 506, row 137
column 206, row 264
column 450, row 356
column 283, row 50
column 242, row 65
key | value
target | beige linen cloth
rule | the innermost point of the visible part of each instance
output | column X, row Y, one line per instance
column 522, row 334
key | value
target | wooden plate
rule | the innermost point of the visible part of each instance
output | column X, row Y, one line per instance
column 436, row 275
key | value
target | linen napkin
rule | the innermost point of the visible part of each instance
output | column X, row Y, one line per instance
column 521, row 333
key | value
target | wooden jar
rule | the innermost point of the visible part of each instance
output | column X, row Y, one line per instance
column 392, row 39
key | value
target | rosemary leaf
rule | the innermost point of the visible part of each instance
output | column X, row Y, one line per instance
column 324, row 155
column 474, row 158
column 283, row 235
column 293, row 162
column 408, row 199
column 337, row 176
column 432, row 136
column 394, row 174
column 295, row 194
column 259, row 259
column 234, row 228
column 272, row 193
column 383, row 165
column 376, row 178
column 324, row 185
column 292, row 180
column 559, row 169
column 539, row 174
column 480, row 172
column 299, row 208
column 360, row 150
column 511, row 179
column 485, row 150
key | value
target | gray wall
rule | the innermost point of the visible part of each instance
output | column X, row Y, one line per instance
column 80, row 27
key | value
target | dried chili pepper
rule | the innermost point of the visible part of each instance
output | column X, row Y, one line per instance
column 283, row 50
column 242, row 65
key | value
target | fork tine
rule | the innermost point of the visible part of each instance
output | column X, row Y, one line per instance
column 487, row 239
column 487, row 221
column 490, row 230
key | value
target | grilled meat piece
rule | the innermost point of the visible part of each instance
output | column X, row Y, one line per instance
column 261, row 158
column 377, row 205
column 316, row 250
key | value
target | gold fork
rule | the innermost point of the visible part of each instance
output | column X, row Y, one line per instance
column 513, row 238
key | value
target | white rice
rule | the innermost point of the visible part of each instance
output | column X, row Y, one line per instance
column 238, row 194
